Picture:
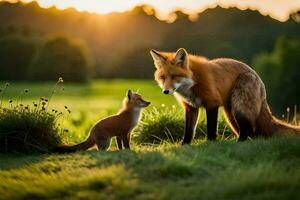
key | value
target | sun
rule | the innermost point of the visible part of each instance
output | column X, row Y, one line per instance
column 95, row 6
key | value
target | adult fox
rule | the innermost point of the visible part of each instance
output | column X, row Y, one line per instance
column 197, row 81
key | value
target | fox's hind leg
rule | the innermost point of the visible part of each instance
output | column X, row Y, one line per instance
column 231, row 120
column 246, row 100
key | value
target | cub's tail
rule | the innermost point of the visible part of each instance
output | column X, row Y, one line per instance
column 88, row 143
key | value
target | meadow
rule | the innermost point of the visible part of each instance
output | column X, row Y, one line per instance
column 255, row 169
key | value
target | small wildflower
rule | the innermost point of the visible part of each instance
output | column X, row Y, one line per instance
column 288, row 109
column 173, row 106
column 60, row 80
column 163, row 105
column 282, row 116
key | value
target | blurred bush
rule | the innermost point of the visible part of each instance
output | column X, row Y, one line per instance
column 61, row 55
column 135, row 63
column 280, row 71
column 16, row 52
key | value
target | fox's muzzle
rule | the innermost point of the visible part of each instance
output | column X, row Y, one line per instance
column 146, row 103
column 168, row 91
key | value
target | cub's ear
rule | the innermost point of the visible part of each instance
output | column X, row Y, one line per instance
column 181, row 57
column 157, row 56
column 129, row 95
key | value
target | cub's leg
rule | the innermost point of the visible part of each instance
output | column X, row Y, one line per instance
column 246, row 101
column 126, row 141
column 119, row 143
column 103, row 143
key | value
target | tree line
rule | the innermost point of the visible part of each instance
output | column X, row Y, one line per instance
column 40, row 44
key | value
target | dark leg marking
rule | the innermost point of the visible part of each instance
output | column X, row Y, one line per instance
column 191, row 117
column 212, row 123
column 245, row 127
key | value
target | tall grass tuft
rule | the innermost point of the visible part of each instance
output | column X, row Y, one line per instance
column 29, row 128
column 166, row 124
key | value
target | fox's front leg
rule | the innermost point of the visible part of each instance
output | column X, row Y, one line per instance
column 119, row 143
column 212, row 123
column 191, row 117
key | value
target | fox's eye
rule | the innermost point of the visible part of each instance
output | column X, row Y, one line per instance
column 175, row 76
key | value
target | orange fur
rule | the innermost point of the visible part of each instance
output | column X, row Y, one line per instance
column 119, row 125
column 219, row 82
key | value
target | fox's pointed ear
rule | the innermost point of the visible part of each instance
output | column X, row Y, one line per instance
column 129, row 94
column 181, row 57
column 157, row 56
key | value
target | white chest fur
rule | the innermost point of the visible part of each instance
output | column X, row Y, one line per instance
column 188, row 97
column 184, row 92
column 136, row 116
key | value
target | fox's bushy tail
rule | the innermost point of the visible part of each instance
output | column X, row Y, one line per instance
column 268, row 125
column 88, row 143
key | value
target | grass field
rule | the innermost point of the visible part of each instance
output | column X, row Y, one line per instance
column 257, row 169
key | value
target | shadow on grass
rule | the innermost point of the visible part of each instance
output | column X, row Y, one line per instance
column 15, row 161
column 263, row 169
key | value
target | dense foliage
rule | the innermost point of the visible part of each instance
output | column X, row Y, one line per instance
column 61, row 55
column 280, row 72
column 16, row 52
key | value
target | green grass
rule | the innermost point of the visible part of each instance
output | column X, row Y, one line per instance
column 257, row 169
column 260, row 169
column 88, row 102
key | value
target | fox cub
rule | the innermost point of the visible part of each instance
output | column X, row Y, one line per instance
column 119, row 125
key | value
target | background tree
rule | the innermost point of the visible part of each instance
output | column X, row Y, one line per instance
column 280, row 71
column 16, row 53
column 61, row 56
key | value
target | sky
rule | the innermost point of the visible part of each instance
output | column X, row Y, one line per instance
column 278, row 9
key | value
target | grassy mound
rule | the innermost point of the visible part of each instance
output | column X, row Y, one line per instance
column 25, row 130
column 167, row 124
column 29, row 128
